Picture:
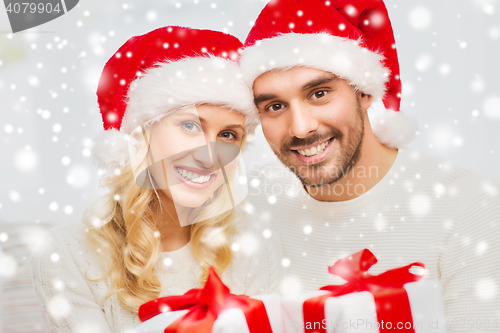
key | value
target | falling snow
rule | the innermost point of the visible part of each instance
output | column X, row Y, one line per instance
column 423, row 62
column 478, row 85
column 420, row 18
column 420, row 204
column 26, row 160
column 486, row 288
column 491, row 107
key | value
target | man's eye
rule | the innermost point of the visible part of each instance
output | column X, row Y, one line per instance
column 319, row 94
column 190, row 126
column 275, row 107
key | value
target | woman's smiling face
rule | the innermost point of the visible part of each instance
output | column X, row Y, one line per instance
column 188, row 149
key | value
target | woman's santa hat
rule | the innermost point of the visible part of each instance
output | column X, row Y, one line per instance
column 350, row 38
column 160, row 72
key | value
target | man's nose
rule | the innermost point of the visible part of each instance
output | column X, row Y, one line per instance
column 302, row 122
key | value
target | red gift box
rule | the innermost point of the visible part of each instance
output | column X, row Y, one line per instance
column 392, row 304
column 204, row 306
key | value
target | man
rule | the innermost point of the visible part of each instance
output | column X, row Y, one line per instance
column 325, row 76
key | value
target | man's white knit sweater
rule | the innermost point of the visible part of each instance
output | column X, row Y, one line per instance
column 69, row 302
column 423, row 209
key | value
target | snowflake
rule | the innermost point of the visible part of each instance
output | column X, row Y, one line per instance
column 266, row 233
column 491, row 107
column 272, row 199
column 439, row 189
column 33, row 81
column 494, row 32
column 68, row 210
column 8, row 128
column 15, row 196
column 59, row 306
column 9, row 266
column 486, row 289
column 151, row 16
column 423, row 62
column 477, row 85
column 235, row 247
column 168, row 261
column 420, row 18
column 481, row 247
column 78, row 176
column 55, row 257
column 285, row 262
column 420, row 204
column 26, row 160
column 380, row 223
column 445, row 69
column 53, row 206
column 65, row 160
column 248, row 243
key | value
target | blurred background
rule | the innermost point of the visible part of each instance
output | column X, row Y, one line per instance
column 448, row 51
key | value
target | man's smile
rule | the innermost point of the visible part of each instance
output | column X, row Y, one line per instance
column 315, row 153
column 313, row 149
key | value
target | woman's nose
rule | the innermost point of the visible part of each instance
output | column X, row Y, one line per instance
column 204, row 156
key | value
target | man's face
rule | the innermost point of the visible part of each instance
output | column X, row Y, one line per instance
column 313, row 121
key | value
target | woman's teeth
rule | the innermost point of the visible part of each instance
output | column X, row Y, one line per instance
column 194, row 177
column 314, row 150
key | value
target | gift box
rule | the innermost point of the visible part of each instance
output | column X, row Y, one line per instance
column 212, row 309
column 394, row 300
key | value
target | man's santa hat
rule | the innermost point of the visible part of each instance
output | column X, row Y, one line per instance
column 351, row 38
column 157, row 73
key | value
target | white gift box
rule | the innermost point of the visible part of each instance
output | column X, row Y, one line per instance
column 355, row 312
column 231, row 320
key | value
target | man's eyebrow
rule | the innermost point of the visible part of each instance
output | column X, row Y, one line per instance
column 263, row 97
column 319, row 81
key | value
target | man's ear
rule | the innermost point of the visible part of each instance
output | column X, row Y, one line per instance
column 365, row 100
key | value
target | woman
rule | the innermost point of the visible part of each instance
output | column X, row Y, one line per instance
column 175, row 115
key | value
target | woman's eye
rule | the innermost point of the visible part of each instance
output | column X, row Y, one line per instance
column 276, row 107
column 190, row 126
column 228, row 136
column 319, row 94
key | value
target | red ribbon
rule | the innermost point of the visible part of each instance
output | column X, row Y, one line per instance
column 204, row 306
column 391, row 299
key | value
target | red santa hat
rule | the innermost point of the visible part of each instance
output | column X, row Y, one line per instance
column 162, row 71
column 350, row 38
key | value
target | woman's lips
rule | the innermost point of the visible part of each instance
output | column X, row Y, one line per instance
column 192, row 179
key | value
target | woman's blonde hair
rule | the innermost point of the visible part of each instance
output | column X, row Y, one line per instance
column 122, row 225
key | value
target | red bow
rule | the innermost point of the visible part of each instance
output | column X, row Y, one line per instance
column 204, row 306
column 391, row 299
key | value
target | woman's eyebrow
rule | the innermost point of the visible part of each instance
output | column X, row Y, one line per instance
column 193, row 115
column 235, row 126
column 204, row 121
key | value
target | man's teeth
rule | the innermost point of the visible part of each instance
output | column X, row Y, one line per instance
column 194, row 177
column 314, row 150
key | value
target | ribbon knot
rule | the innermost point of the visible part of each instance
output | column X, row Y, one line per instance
column 354, row 269
column 204, row 306
column 215, row 295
